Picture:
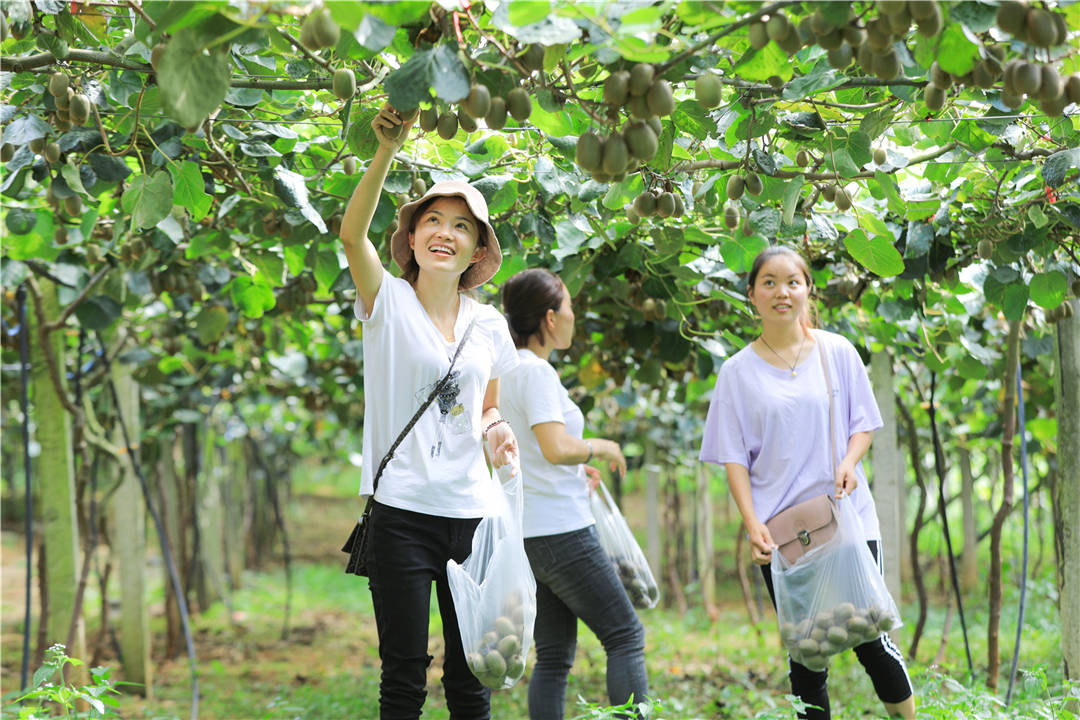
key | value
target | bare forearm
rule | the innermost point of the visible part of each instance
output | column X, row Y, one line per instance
column 739, row 485
column 858, row 444
column 361, row 206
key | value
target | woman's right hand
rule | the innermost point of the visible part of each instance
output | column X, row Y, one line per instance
column 761, row 543
column 384, row 121
column 610, row 452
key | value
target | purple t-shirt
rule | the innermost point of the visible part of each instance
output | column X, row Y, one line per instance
column 775, row 425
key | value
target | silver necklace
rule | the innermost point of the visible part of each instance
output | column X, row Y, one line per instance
column 792, row 366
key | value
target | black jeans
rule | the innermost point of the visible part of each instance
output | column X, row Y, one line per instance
column 407, row 551
column 882, row 660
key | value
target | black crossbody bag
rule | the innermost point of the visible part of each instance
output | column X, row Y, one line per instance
column 356, row 545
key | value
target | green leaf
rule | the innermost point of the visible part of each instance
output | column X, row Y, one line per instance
column 526, row 12
column 98, row 312
column 1037, row 216
column 1048, row 288
column 400, row 12
column 290, row 187
column 149, row 200
column 193, row 83
column 919, row 237
column 20, row 221
column 1057, row 166
column 362, row 140
column 887, row 183
column 876, row 122
column 373, row 34
column 410, row 84
column 822, row 77
column 877, row 254
column 956, row 53
column 211, row 323
column 189, row 190
column 251, row 296
column 448, row 73
column 792, row 191
column 840, row 161
column 693, row 119
column 70, row 173
column 271, row 267
column 327, row 268
column 760, row 65
column 739, row 252
column 1015, row 301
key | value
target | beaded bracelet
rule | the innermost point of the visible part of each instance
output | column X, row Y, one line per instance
column 500, row 420
column 590, row 452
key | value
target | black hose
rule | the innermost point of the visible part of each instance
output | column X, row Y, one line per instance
column 1024, row 572
column 939, row 467
column 24, row 400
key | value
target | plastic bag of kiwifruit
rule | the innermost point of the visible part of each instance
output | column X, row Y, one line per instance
column 625, row 553
column 494, row 591
column 834, row 597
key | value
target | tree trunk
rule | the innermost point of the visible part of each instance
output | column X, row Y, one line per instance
column 652, row 508
column 674, row 545
column 235, row 482
column 888, row 476
column 1008, row 412
column 1068, row 483
column 169, row 499
column 56, row 483
column 705, row 561
column 969, row 569
column 916, row 570
column 211, row 572
column 127, row 516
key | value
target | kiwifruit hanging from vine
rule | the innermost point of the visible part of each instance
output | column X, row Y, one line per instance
column 63, row 102
column 58, row 84
column 60, row 235
column 656, row 125
column 478, row 102
column 731, row 217
column 616, row 155
column 802, row 158
column 754, row 185
column 828, row 192
column 641, row 77
column 707, row 90
column 899, row 23
column 1028, row 78
column 1041, row 30
column 981, row 75
column 52, row 152
column 7, row 151
column 887, row 66
column 645, row 203
column 746, row 228
column 878, row 35
column 1011, row 101
column 617, row 88
column 680, row 206
column 665, row 205
column 72, row 205
column 589, row 152
column 841, row 57
column 325, row 32
column 533, row 58
column 429, row 119
column 518, row 104
column 778, row 27
column 1011, row 16
column 880, row 156
column 37, row 145
column 792, row 43
column 344, row 83
column 660, row 97
column 638, row 107
column 854, row 35
column 156, row 54
column 79, row 109
column 930, row 25
column 735, row 186
column 1054, row 106
column 348, row 165
column 466, row 122
column 447, row 125
column 934, row 98
column 63, row 115
column 641, row 140
column 939, row 78
column 865, row 57
column 632, row 215
column 496, row 116
column 1061, row 29
column 985, row 249
column 842, row 199
column 758, row 34
column 418, row 186
column 1072, row 88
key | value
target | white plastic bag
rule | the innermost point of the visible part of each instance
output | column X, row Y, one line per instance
column 833, row 598
column 625, row 553
column 494, row 591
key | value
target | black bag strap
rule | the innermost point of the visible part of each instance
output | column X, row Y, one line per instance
column 416, row 417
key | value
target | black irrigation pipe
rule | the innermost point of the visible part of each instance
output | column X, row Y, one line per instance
column 939, row 467
column 271, row 489
column 24, row 401
column 1024, row 572
column 166, row 552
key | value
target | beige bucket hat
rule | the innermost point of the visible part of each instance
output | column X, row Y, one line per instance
column 479, row 272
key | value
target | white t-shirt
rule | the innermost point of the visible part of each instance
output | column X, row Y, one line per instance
column 776, row 425
column 556, row 496
column 439, row 468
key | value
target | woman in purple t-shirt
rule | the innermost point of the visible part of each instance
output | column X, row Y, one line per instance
column 768, row 424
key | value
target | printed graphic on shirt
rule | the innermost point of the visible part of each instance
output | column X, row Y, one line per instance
column 452, row 415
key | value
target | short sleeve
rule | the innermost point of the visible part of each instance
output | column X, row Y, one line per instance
column 724, row 440
column 544, row 395
column 863, row 412
column 386, row 287
column 504, row 352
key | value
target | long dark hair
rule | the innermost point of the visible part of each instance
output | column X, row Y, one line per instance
column 527, row 297
column 809, row 316
column 412, row 270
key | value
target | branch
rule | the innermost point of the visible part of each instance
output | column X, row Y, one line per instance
column 1022, row 154
column 209, row 129
column 59, row 322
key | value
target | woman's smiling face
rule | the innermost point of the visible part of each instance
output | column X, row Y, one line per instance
column 780, row 291
column 445, row 237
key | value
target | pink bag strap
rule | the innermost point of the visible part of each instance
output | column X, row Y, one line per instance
column 828, row 386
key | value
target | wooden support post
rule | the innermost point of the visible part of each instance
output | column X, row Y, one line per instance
column 969, row 570
column 888, row 477
column 1068, row 500
column 705, row 565
column 211, row 518
column 652, row 509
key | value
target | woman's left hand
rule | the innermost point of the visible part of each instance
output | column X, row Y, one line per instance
column 502, row 445
column 846, row 480
column 592, row 477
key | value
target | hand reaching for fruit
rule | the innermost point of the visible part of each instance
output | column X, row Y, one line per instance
column 392, row 128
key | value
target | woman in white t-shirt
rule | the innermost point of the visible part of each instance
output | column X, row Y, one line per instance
column 768, row 424
column 574, row 576
column 437, row 487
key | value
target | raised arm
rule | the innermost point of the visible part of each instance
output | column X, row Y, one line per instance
column 364, row 263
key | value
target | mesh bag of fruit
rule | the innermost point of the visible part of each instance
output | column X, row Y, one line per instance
column 619, row 544
column 833, row 598
column 495, row 593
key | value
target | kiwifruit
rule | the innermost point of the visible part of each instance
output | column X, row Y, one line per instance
column 939, row 78
column 52, row 152
column 156, row 54
column 655, row 124
column 778, row 26
column 792, row 43
column 418, row 186
column 63, row 124
column 645, row 203
column 641, row 77
column 1040, row 27
column 1061, row 29
column 660, row 97
column 735, row 186
column 981, row 75
column 348, row 165
column 63, row 115
column 1011, row 101
column 707, row 89
column 934, row 98
column 819, row 23
column 632, row 215
column 58, row 84
column 842, row 199
column 344, row 83
column 616, row 155
column 746, row 228
column 496, row 115
column 731, row 217
column 466, row 122
column 589, row 152
column 775, row 81
column 802, row 158
column 880, row 156
column 828, row 192
column 1028, row 78
column 831, row 40
column 879, row 35
column 616, row 88
column 307, row 34
column 532, row 58
column 638, row 107
column 758, row 34
column 1055, row 106
column 887, row 66
column 1009, row 76
column 854, row 35
column 993, row 65
column 447, row 125
column 985, row 249
column 922, row 9
column 1072, row 87
column 37, row 145
column 805, row 29
column 72, row 205
column 1011, row 15
column 79, row 109
column 899, row 22
column 326, row 30
column 60, row 235
column 429, row 119
column 641, row 140
column 1050, row 85
column 680, row 206
column 754, row 185
column 841, row 57
column 518, row 104
column 865, row 56
column 665, row 205
column 478, row 101
column 7, row 151
column 889, row 7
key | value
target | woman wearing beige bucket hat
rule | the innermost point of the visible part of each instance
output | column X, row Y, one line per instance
column 425, row 342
